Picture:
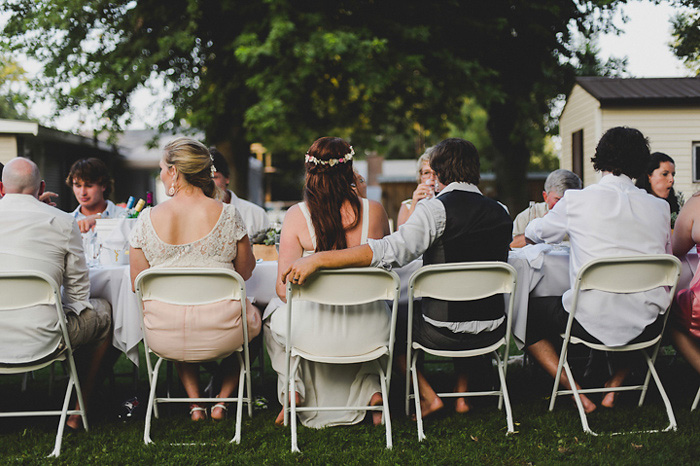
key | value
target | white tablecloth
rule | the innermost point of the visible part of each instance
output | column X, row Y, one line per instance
column 550, row 277
column 114, row 285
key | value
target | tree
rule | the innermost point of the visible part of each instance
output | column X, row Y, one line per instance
column 12, row 99
column 686, row 30
column 284, row 72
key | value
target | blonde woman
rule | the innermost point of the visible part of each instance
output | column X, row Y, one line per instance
column 424, row 190
column 194, row 229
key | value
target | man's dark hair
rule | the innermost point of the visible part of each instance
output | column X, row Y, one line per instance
column 622, row 151
column 92, row 170
column 1, row 167
column 220, row 162
column 455, row 159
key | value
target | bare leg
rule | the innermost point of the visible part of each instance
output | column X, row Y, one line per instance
column 229, row 382
column 88, row 379
column 688, row 346
column 376, row 400
column 429, row 401
column 615, row 381
column 461, row 404
column 280, row 417
column 545, row 354
column 189, row 376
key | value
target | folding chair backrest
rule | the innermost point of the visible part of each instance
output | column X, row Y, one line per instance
column 190, row 286
column 629, row 274
column 346, row 286
column 30, row 309
column 462, row 281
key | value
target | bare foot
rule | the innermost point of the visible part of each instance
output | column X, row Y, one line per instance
column 74, row 422
column 376, row 400
column 429, row 407
column 280, row 417
column 588, row 405
column 610, row 398
column 219, row 411
column 197, row 413
column 461, row 405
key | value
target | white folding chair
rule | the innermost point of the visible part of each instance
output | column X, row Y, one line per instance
column 461, row 281
column 29, row 297
column 695, row 401
column 186, row 287
column 343, row 287
column 623, row 274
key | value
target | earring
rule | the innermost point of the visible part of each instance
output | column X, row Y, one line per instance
column 171, row 191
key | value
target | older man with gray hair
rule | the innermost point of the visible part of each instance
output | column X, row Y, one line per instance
column 555, row 185
column 36, row 236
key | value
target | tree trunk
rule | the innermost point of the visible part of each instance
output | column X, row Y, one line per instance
column 511, row 158
column 237, row 152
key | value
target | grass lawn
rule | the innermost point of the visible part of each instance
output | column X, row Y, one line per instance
column 477, row 437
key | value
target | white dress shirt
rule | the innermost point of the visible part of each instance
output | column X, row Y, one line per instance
column 254, row 216
column 521, row 221
column 611, row 218
column 111, row 211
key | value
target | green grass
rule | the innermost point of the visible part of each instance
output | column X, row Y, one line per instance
column 478, row 437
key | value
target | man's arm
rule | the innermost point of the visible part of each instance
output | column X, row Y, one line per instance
column 301, row 269
column 76, row 281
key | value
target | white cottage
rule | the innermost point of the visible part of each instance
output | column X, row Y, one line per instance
column 666, row 110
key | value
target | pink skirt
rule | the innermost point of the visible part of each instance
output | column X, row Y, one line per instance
column 197, row 333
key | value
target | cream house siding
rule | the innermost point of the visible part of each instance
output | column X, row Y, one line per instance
column 582, row 112
column 8, row 148
column 670, row 130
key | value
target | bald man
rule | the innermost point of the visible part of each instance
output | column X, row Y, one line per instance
column 36, row 236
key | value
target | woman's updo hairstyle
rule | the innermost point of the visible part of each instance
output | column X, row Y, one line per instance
column 329, row 184
column 191, row 158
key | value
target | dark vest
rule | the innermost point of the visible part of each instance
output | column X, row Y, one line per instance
column 477, row 229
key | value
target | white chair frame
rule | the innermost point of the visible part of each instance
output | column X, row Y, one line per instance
column 31, row 288
column 191, row 286
column 343, row 287
column 621, row 274
column 695, row 401
column 461, row 281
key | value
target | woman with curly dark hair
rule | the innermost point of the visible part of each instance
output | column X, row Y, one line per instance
column 659, row 179
column 332, row 217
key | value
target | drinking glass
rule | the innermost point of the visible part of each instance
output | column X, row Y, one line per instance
column 92, row 251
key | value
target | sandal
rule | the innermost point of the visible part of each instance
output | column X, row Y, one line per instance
column 224, row 411
column 197, row 409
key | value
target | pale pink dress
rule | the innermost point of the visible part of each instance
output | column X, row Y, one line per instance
column 202, row 332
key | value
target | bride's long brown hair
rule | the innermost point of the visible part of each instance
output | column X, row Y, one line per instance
column 327, row 188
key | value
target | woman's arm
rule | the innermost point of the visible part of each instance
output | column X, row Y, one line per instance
column 244, row 262
column 290, row 246
column 137, row 263
column 686, row 232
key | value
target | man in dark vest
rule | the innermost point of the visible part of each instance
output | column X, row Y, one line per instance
column 458, row 225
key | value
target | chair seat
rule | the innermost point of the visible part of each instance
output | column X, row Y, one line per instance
column 602, row 347
column 460, row 353
column 371, row 356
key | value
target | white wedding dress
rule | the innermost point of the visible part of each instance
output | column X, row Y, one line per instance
column 329, row 330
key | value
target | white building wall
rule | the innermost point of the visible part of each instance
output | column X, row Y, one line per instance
column 8, row 148
column 582, row 112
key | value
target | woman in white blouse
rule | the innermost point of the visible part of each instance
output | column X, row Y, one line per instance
column 193, row 229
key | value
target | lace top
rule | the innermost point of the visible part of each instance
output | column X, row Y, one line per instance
column 216, row 249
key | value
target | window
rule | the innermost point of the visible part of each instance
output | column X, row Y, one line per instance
column 577, row 153
column 696, row 162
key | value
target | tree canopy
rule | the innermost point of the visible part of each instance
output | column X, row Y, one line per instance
column 686, row 29
column 284, row 72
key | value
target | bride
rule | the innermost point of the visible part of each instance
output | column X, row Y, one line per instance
column 332, row 216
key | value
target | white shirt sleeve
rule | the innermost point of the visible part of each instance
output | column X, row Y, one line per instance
column 412, row 239
column 76, row 281
column 552, row 228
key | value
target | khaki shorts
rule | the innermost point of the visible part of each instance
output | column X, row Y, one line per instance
column 91, row 326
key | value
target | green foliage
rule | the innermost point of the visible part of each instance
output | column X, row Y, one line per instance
column 13, row 101
column 686, row 31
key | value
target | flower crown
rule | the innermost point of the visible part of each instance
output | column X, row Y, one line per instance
column 311, row 159
column 213, row 168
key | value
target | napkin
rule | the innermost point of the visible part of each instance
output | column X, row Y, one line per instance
column 534, row 253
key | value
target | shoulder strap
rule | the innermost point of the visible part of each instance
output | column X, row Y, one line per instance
column 365, row 221
column 309, row 224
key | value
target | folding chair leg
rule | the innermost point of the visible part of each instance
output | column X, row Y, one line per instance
column 577, row 399
column 62, row 421
column 239, row 410
column 669, row 410
column 416, row 397
column 386, row 417
column 696, row 401
column 293, row 400
column 504, row 396
column 151, row 403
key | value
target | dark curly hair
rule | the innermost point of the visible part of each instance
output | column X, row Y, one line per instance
column 327, row 188
column 93, row 171
column 455, row 159
column 655, row 161
column 622, row 151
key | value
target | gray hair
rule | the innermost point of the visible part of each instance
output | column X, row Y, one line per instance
column 560, row 180
column 21, row 176
column 425, row 158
